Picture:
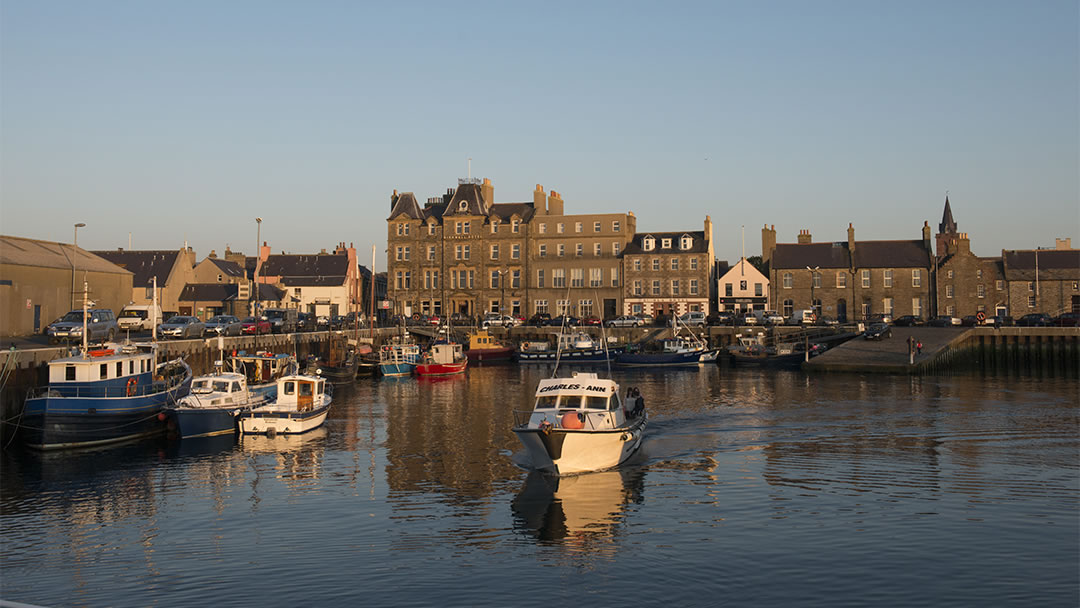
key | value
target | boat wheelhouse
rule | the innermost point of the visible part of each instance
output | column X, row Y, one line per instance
column 442, row 359
column 213, row 405
column 301, row 405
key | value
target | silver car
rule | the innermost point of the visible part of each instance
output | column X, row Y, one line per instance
column 625, row 321
column 100, row 325
column 223, row 325
column 181, row 327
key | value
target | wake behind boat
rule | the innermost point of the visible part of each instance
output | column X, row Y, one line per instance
column 580, row 424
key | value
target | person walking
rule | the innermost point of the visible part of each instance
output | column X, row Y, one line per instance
column 918, row 347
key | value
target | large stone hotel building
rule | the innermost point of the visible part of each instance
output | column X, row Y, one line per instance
column 464, row 253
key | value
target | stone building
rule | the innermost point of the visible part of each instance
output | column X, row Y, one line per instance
column 967, row 284
column 849, row 280
column 326, row 283
column 1042, row 280
column 217, row 270
column 669, row 273
column 172, row 270
column 37, row 280
column 464, row 253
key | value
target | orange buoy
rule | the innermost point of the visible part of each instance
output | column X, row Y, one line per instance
column 570, row 420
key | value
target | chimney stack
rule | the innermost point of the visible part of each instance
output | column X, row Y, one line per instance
column 768, row 242
column 555, row 203
column 804, row 237
column 488, row 192
column 539, row 200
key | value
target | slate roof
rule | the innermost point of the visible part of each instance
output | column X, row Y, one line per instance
column 700, row 245
column 505, row 211
column 948, row 224
column 145, row 264
column 20, row 251
column 472, row 198
column 305, row 265
column 225, row 292
column 1053, row 264
column 814, row 255
column 891, row 254
column 227, row 268
column 406, row 205
column 868, row 254
column 319, row 281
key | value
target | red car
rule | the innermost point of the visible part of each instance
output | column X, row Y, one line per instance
column 434, row 320
column 247, row 326
column 591, row 321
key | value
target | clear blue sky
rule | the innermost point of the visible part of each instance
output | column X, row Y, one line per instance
column 174, row 120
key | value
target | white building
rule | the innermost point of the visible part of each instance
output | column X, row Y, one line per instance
column 743, row 288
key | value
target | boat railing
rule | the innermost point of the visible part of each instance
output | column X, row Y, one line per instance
column 137, row 389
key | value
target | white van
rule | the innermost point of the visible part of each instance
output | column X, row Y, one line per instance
column 139, row 317
column 693, row 318
column 802, row 317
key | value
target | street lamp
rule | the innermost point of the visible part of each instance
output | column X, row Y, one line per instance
column 813, row 279
column 73, row 255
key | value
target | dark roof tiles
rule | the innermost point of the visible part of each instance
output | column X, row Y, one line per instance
column 145, row 265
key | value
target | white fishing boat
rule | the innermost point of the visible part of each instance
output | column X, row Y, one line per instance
column 301, row 405
column 580, row 424
column 213, row 405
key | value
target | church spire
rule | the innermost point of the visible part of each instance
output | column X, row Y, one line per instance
column 948, row 224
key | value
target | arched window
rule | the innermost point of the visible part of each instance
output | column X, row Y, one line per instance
column 687, row 242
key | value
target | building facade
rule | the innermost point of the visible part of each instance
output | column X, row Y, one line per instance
column 326, row 283
column 171, row 271
column 1042, row 280
column 743, row 288
column 669, row 273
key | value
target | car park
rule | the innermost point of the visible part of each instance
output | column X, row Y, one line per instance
column 100, row 325
column 877, row 331
column 625, row 321
column 943, row 321
column 222, row 325
column 182, row 327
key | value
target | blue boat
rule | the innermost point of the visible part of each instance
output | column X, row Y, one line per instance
column 570, row 348
column 104, row 395
column 398, row 358
column 213, row 406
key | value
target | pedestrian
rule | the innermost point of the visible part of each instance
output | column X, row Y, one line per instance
column 918, row 346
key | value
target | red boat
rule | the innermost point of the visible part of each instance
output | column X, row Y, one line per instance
column 485, row 349
column 442, row 359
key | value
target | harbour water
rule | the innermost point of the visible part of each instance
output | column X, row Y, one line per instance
column 753, row 487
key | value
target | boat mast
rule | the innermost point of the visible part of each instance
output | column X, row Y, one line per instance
column 371, row 311
column 84, row 311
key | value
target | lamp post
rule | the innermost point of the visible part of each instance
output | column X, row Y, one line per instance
column 73, row 254
column 255, row 287
column 813, row 279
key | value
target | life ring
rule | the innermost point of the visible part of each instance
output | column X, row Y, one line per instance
column 416, row 316
column 132, row 384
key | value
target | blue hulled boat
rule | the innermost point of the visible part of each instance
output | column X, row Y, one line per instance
column 103, row 395
column 398, row 358
column 213, row 406
column 673, row 352
column 577, row 347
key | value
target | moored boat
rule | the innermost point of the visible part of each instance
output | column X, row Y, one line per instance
column 580, row 424
column 398, row 358
column 569, row 348
column 103, row 395
column 484, row 348
column 213, row 405
column 442, row 359
column 262, row 370
column 678, row 351
column 301, row 405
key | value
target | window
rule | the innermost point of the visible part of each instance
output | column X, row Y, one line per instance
column 543, row 230
column 540, row 278
column 562, row 250
column 596, row 277
column 615, row 226
column 787, row 280
column 729, row 290
column 675, row 287
column 494, row 252
column 457, row 227
column 687, row 243
column 948, row 291
column 693, row 287
column 540, row 306
column 950, row 310
column 1031, row 301
column 656, row 264
column 887, row 278
column 866, row 309
column 515, row 279
column 614, row 277
column 866, row 279
column 408, row 279
column 219, row 278
column 515, row 251
column 399, row 253
column 916, row 277
column 431, row 229
column 290, row 388
column 887, row 306
column 398, row 280
column 693, row 263
column 577, row 226
column 665, row 243
column 758, row 287
column 560, row 228
column 999, row 285
column 978, row 273
column 742, row 285
column 495, row 226
column 841, row 280
column 916, row 306
column 494, row 279
column 596, row 227
column 562, row 307
column 615, row 249
column 558, row 277
column 980, row 290
column 674, row 263
column 637, row 264
column 949, row 274
column 407, row 253
column 471, row 274
column 515, row 226
column 789, row 307
column 656, row 288
column 579, row 249
column 817, row 280
column 648, row 244
column 1031, row 286
column 585, row 308
column 465, row 227
column 637, row 288
column 596, row 249
column 541, row 251
column 431, row 252
column 493, row 306
column 577, row 277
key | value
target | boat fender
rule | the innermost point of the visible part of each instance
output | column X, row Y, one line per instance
column 161, row 416
column 572, row 420
column 545, row 427
column 132, row 385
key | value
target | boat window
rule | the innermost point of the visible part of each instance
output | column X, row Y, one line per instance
column 119, row 368
column 547, row 401
column 103, row 371
column 320, row 387
column 221, row 387
column 131, row 366
column 305, row 389
column 199, row 384
column 69, row 373
column 235, row 387
column 290, row 388
column 596, row 403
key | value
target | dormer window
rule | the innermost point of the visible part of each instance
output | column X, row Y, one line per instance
column 494, row 225
column 463, row 206
column 687, row 242
column 431, row 228
column 649, row 243
column 665, row 243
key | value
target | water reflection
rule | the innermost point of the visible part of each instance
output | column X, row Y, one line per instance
column 583, row 512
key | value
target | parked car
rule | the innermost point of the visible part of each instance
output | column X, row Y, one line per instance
column 908, row 321
column 722, row 317
column 969, row 321
column 879, row 318
column 646, row 318
column 998, row 321
column 494, row 319
column 353, row 319
column 943, row 321
column 100, row 325
column 460, row 319
column 769, row 317
column 625, row 321
column 591, row 322
column 305, row 321
column 139, row 317
column 566, row 320
column 251, row 326
column 1035, row 319
column 222, row 325
column 283, row 320
column 827, row 321
column 747, row 319
column 182, row 327
column 877, row 331
column 1067, row 319
column 540, row 319
column 693, row 318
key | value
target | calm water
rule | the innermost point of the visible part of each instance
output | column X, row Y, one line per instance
column 757, row 488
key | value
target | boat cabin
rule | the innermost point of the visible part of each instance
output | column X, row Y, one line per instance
column 482, row 340
column 582, row 401
column 444, row 352
column 261, row 367
column 300, row 392
column 103, row 372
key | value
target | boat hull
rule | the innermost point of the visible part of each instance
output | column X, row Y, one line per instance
column 665, row 359
column 441, row 369
column 792, row 361
column 396, row 369
column 595, row 355
column 567, row 451
column 282, row 422
column 204, row 422
column 491, row 355
column 339, row 374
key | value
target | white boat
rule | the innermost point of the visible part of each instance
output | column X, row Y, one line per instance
column 580, row 424
column 213, row 405
column 301, row 405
